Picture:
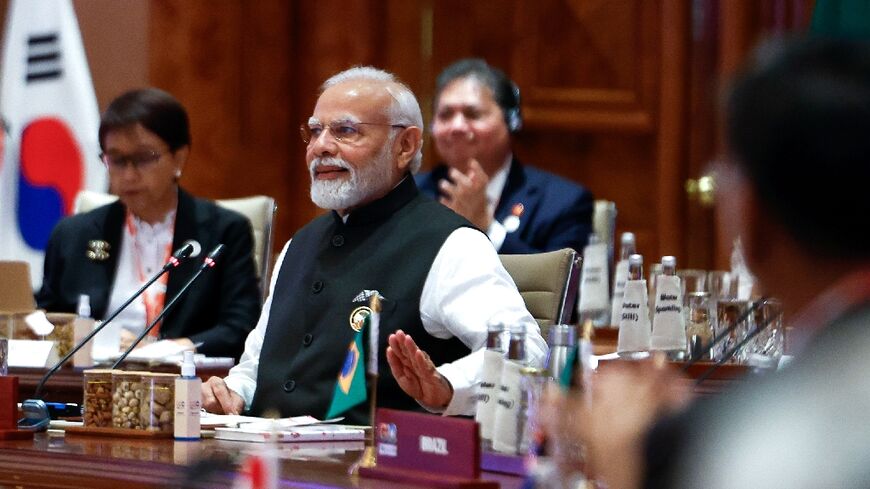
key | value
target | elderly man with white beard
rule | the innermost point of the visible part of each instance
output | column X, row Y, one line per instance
column 439, row 279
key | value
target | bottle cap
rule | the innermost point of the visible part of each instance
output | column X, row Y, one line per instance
column 635, row 259
column 627, row 238
column 84, row 307
column 518, row 328
column 188, row 367
column 669, row 261
column 495, row 327
column 562, row 335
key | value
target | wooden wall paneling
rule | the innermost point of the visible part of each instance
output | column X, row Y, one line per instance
column 196, row 55
column 588, row 64
column 462, row 29
column 671, row 140
column 701, row 131
column 268, row 124
column 616, row 167
column 115, row 35
column 227, row 63
column 590, row 76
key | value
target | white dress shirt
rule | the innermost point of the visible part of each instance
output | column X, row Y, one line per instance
column 496, row 231
column 466, row 289
column 148, row 249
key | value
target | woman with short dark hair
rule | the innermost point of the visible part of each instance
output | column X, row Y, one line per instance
column 110, row 252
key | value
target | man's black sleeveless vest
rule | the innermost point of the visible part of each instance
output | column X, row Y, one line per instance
column 387, row 246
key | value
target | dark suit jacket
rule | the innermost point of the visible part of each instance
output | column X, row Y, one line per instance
column 557, row 213
column 220, row 308
column 804, row 426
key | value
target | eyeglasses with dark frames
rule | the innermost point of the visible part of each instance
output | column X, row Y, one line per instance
column 140, row 161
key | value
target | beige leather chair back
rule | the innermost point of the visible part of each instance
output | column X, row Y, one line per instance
column 259, row 209
column 88, row 200
column 548, row 284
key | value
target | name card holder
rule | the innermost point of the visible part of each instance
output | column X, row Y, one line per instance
column 427, row 449
column 9, row 410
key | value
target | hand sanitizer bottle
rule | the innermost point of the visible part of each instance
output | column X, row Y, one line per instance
column 82, row 326
column 188, row 401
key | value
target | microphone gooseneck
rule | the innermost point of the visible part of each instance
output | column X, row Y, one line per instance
column 180, row 255
column 208, row 262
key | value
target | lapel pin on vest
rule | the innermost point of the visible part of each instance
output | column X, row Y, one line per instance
column 358, row 316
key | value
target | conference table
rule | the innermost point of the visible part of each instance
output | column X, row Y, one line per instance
column 65, row 460
column 55, row 460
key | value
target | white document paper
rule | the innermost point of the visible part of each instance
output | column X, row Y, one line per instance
column 29, row 353
column 38, row 322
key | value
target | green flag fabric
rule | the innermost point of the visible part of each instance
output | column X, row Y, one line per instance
column 350, row 388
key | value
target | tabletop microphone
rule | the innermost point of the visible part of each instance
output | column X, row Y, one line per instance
column 36, row 409
column 730, row 353
column 209, row 262
column 724, row 333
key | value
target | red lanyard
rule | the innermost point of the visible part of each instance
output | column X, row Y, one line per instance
column 155, row 295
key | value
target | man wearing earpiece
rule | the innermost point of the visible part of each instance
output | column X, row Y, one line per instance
column 521, row 209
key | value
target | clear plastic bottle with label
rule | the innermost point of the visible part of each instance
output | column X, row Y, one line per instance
column 487, row 394
column 669, row 326
column 594, row 287
column 634, row 323
column 628, row 247
column 508, row 419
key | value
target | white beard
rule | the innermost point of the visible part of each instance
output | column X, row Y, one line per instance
column 345, row 193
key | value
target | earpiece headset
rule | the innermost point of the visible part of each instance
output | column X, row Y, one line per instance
column 512, row 114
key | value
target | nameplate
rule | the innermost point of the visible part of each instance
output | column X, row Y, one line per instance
column 428, row 449
column 29, row 353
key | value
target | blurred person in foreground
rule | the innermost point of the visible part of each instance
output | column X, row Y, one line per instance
column 110, row 252
column 520, row 208
column 793, row 186
column 439, row 279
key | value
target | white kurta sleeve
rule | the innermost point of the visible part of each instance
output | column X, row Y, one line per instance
column 466, row 289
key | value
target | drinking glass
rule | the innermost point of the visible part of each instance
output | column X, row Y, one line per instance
column 767, row 347
column 722, row 285
column 728, row 312
column 699, row 326
column 692, row 280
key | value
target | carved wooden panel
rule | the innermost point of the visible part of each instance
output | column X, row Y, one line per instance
column 588, row 64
